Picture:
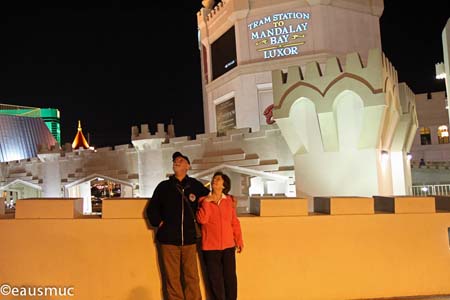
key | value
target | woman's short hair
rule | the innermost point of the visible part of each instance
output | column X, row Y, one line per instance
column 226, row 182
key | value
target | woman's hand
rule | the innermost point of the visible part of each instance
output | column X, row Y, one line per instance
column 239, row 249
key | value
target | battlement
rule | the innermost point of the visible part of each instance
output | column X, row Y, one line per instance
column 211, row 13
column 315, row 81
column 366, row 6
column 375, row 74
column 389, row 69
column 145, row 133
column 307, row 251
column 407, row 98
column 50, row 208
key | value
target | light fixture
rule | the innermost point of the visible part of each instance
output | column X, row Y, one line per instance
column 424, row 189
column 440, row 70
column 409, row 155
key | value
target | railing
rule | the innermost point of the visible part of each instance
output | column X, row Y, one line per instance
column 428, row 189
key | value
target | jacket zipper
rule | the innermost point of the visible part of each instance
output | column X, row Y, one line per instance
column 220, row 221
column 182, row 217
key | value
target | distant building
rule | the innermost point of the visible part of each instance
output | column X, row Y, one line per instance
column 50, row 116
column 21, row 138
column 432, row 138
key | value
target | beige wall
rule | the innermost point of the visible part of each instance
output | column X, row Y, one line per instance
column 431, row 113
column 431, row 110
column 304, row 257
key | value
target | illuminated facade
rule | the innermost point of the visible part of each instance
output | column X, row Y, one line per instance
column 290, row 109
column 340, row 124
column 241, row 44
column 432, row 138
column 50, row 116
column 313, row 68
column 21, row 137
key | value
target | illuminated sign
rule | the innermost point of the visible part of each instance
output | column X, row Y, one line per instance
column 226, row 115
column 282, row 37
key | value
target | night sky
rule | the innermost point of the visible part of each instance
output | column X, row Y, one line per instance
column 82, row 56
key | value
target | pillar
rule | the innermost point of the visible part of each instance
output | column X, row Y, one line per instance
column 150, row 164
column 446, row 49
column 51, row 175
column 85, row 192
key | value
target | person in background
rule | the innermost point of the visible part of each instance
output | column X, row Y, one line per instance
column 422, row 163
column 221, row 238
column 172, row 209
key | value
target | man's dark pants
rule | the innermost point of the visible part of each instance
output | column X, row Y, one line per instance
column 221, row 268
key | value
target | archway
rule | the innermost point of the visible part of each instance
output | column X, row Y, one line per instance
column 96, row 187
column 18, row 189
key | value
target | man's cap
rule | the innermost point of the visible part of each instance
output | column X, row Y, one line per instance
column 178, row 154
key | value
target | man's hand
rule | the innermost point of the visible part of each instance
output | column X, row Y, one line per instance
column 239, row 249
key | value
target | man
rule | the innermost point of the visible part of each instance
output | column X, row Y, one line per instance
column 174, row 216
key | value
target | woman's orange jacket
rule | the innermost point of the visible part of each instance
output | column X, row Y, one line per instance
column 221, row 228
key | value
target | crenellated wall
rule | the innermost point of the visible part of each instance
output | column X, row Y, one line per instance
column 141, row 166
column 340, row 116
column 349, row 248
column 239, row 151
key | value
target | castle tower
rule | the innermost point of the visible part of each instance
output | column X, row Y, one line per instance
column 348, row 125
column 242, row 42
column 150, row 157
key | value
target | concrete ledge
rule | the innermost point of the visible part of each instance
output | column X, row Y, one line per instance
column 49, row 208
column 405, row 204
column 344, row 205
column 124, row 208
column 120, row 259
column 277, row 207
column 408, row 205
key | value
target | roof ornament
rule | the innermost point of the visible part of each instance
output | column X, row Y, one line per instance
column 79, row 141
column 208, row 4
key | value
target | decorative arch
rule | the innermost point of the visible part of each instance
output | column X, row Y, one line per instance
column 348, row 109
column 323, row 92
column 301, row 127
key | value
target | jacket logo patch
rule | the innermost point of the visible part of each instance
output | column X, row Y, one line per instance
column 192, row 197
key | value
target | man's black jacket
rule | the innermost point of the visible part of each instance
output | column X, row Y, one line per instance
column 167, row 205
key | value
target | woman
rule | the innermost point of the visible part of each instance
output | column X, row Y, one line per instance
column 221, row 237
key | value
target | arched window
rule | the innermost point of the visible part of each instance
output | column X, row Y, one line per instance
column 443, row 134
column 425, row 136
